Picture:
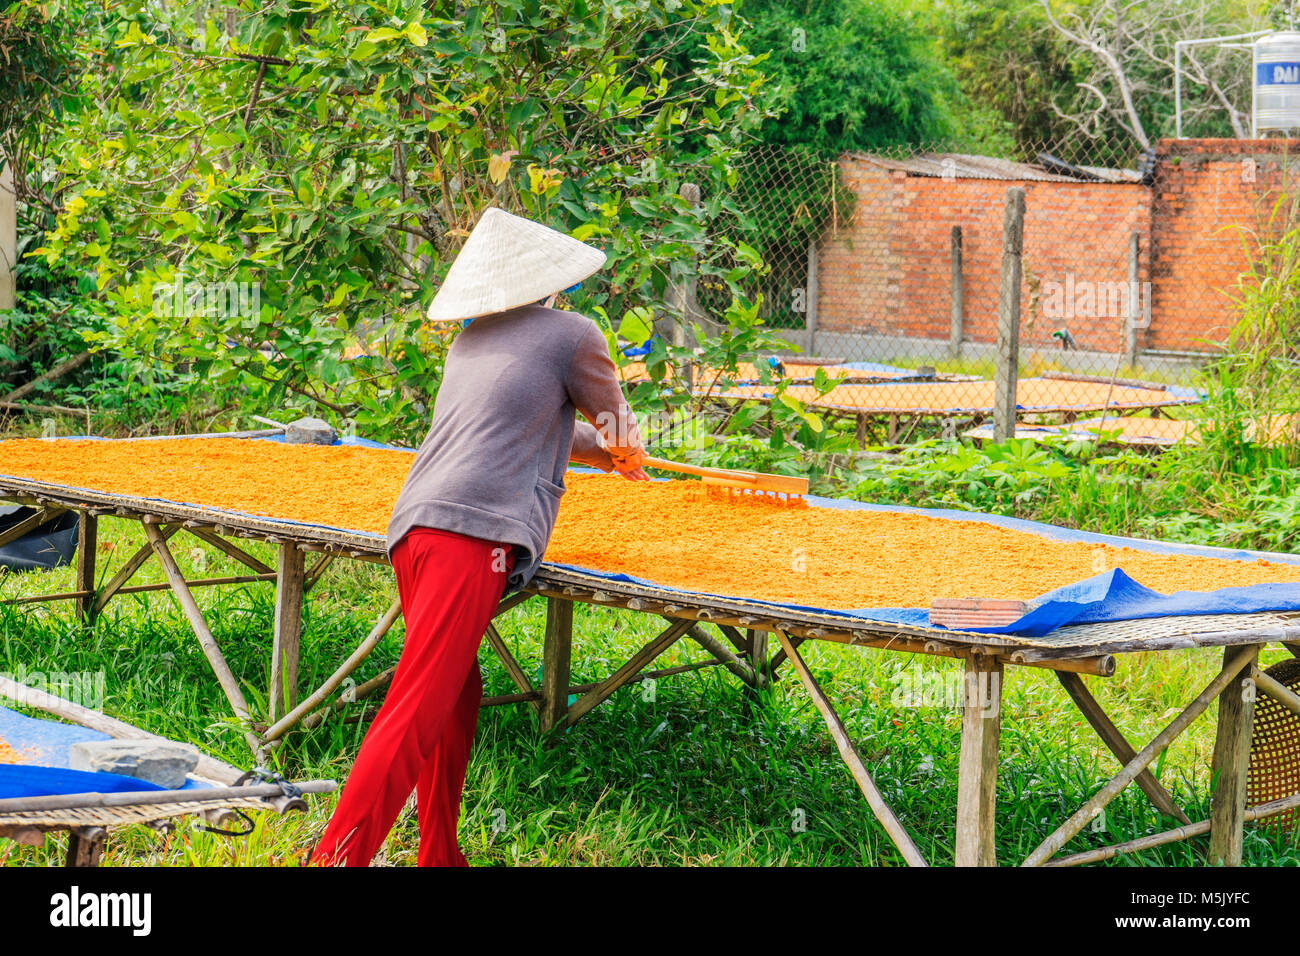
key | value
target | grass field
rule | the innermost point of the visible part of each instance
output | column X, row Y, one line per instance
column 693, row 770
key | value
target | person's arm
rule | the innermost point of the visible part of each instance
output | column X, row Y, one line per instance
column 587, row 449
column 596, row 392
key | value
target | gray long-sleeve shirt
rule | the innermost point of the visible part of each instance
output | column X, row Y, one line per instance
column 504, row 430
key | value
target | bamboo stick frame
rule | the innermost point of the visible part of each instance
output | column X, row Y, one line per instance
column 1236, row 659
column 1117, row 744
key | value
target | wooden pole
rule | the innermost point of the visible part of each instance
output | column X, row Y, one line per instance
column 1277, row 690
column 517, row 675
column 87, row 542
column 229, row 549
column 723, row 654
column 758, row 655
column 1229, row 764
column 958, row 329
column 811, row 292
column 355, row 659
column 1008, row 358
column 556, row 651
column 1134, row 302
column 977, row 774
column 290, row 585
column 849, row 754
column 128, row 570
column 1117, row 744
column 207, row 767
column 30, row 523
column 1260, row 812
column 86, row 846
column 655, row 647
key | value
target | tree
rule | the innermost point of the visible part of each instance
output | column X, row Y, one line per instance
column 849, row 75
column 1012, row 67
column 1127, row 49
column 258, row 190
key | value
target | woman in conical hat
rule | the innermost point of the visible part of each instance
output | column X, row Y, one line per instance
column 476, row 512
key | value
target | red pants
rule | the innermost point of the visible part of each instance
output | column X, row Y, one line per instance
column 449, row 585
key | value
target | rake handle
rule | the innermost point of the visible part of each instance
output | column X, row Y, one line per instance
column 700, row 471
column 745, row 480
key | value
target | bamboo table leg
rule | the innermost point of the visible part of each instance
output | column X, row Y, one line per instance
column 556, row 654
column 86, row 846
column 977, row 775
column 87, row 542
column 1228, row 770
column 289, row 589
column 758, row 655
column 229, row 683
column 852, row 759
column 1235, row 659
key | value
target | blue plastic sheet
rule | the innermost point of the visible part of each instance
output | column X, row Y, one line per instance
column 43, row 745
column 20, row 780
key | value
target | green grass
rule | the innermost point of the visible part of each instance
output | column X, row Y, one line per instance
column 699, row 772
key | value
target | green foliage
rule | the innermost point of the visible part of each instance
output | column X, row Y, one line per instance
column 1254, row 386
column 849, row 74
column 1011, row 65
column 319, row 166
column 1177, row 495
column 780, row 435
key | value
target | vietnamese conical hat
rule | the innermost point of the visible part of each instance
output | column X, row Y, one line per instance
column 509, row 261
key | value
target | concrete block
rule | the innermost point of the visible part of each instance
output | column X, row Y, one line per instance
column 309, row 431
column 161, row 762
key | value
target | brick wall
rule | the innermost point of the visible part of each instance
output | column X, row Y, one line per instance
column 1209, row 196
column 888, row 271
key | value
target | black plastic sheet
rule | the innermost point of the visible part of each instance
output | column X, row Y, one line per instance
column 49, row 546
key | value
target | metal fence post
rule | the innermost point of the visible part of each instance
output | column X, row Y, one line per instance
column 1008, row 360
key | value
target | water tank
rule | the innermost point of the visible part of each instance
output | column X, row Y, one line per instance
column 1277, row 82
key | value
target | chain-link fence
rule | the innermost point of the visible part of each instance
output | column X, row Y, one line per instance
column 892, row 264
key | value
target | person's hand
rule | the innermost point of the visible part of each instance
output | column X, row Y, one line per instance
column 628, row 463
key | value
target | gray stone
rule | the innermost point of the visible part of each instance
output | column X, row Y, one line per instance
column 161, row 762
column 309, row 431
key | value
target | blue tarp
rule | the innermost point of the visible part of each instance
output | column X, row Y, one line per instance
column 20, row 780
column 42, row 746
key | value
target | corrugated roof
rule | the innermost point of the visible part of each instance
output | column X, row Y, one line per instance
column 966, row 166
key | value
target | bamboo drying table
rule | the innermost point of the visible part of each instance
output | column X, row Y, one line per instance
column 904, row 403
column 739, row 641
